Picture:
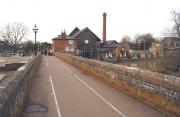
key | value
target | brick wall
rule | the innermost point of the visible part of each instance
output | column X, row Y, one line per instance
column 162, row 92
column 61, row 44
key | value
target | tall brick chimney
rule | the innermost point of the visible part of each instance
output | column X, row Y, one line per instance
column 104, row 28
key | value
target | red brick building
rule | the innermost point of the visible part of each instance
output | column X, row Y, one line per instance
column 75, row 43
column 112, row 48
column 123, row 50
column 64, row 43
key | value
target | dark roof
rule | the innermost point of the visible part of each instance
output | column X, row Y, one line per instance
column 110, row 44
column 124, row 45
column 105, row 49
column 4, row 43
column 61, row 37
column 83, row 30
column 1, row 41
column 111, row 41
column 74, row 31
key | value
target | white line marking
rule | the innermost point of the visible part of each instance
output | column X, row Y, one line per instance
column 46, row 62
column 67, row 69
column 46, row 59
column 55, row 99
column 108, row 103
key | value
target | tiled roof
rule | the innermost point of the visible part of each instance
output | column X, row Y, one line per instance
column 83, row 30
column 79, row 32
column 61, row 37
column 124, row 45
column 74, row 31
column 110, row 44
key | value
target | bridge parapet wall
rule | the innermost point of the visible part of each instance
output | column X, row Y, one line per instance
column 14, row 90
column 162, row 92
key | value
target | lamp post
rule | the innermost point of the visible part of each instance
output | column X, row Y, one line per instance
column 35, row 29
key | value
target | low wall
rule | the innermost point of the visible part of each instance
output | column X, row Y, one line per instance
column 162, row 92
column 14, row 90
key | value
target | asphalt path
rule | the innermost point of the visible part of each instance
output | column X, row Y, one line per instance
column 70, row 92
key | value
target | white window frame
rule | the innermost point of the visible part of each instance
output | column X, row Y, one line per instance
column 71, row 42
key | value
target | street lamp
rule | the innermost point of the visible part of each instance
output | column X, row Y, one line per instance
column 35, row 29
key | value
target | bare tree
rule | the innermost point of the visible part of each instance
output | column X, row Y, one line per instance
column 176, row 21
column 144, row 41
column 174, row 31
column 126, row 38
column 29, row 46
column 13, row 34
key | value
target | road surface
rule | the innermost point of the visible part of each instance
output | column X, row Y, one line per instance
column 70, row 92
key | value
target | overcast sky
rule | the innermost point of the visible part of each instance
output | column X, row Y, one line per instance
column 124, row 17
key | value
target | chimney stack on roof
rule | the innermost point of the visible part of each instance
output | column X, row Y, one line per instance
column 63, row 34
column 104, row 28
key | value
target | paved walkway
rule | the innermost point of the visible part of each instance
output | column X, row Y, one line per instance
column 69, row 92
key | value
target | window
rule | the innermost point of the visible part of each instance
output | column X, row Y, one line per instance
column 171, row 44
column 109, row 54
column 86, row 41
column 67, row 49
column 165, row 45
column 177, row 44
column 71, row 42
column 72, row 48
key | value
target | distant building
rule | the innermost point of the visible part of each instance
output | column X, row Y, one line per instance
column 64, row 43
column 108, row 49
column 87, row 43
column 157, row 49
column 138, row 44
column 112, row 48
column 171, row 42
column 4, row 47
column 138, row 50
column 171, row 46
column 123, row 50
column 80, row 42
